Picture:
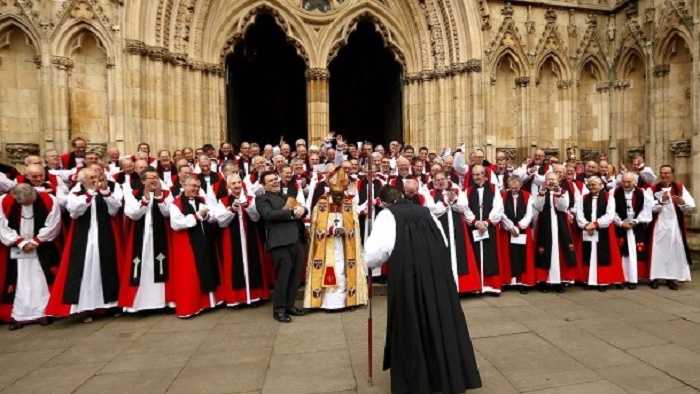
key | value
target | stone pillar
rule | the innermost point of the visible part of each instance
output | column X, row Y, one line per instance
column 659, row 132
column 317, row 104
column 62, row 67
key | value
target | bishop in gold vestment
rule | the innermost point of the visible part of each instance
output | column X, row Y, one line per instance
column 336, row 277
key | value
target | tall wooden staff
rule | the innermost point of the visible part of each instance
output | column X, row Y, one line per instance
column 370, row 219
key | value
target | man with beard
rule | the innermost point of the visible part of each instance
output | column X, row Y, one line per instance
column 632, row 215
column 453, row 222
column 88, row 278
column 516, row 242
column 196, row 269
column 670, row 254
column 427, row 339
column 29, row 257
column 243, row 272
column 146, row 273
column 75, row 158
column 336, row 277
column 485, row 211
column 601, row 260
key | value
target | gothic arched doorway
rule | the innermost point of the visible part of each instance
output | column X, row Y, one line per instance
column 366, row 89
column 266, row 87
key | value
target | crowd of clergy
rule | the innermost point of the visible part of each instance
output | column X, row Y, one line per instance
column 180, row 232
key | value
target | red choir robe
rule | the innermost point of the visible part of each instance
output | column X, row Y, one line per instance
column 67, row 286
column 609, row 261
column 519, row 260
column 48, row 252
column 195, row 258
column 132, row 267
column 464, row 265
column 244, row 277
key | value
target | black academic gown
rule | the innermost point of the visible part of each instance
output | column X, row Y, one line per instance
column 427, row 342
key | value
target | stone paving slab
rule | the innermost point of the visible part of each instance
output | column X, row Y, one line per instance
column 621, row 341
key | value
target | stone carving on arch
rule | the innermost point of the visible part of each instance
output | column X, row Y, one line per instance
column 7, row 25
column 65, row 37
column 341, row 39
column 13, row 22
column 561, row 70
column 666, row 47
column 599, row 69
column 674, row 15
column 508, row 36
column 591, row 46
column 517, row 63
column 551, row 42
column 242, row 25
column 624, row 63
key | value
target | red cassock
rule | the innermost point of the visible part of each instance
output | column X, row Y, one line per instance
column 468, row 277
column 609, row 264
column 62, row 292
column 127, row 290
column 243, row 279
column 195, row 273
column 49, row 252
column 526, row 261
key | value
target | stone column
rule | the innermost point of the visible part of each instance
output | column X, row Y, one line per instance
column 659, row 132
column 317, row 104
column 61, row 101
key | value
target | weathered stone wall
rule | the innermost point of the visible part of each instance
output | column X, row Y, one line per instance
column 608, row 77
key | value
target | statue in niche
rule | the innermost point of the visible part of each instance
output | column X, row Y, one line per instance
column 321, row 5
column 612, row 29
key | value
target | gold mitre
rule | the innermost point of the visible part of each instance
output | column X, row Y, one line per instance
column 339, row 180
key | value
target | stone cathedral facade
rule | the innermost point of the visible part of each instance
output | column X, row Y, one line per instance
column 579, row 77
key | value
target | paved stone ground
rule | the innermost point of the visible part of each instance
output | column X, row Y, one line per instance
column 641, row 341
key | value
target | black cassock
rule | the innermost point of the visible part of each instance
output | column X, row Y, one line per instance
column 427, row 342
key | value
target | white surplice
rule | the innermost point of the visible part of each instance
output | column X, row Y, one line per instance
column 668, row 259
column 31, row 291
column 150, row 295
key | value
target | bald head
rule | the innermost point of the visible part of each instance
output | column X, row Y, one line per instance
column 32, row 159
column 410, row 187
column 36, row 175
column 629, row 181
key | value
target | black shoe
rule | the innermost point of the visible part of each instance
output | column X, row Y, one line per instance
column 672, row 284
column 632, row 286
column 654, row 284
column 543, row 288
column 46, row 321
column 15, row 326
column 561, row 289
column 294, row 311
column 523, row 290
column 282, row 317
column 602, row 289
column 586, row 287
column 620, row 286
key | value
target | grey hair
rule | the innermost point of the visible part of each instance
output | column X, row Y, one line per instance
column 515, row 178
column 23, row 192
column 232, row 178
column 27, row 159
column 84, row 173
column 635, row 177
column 594, row 178
column 203, row 157
column 190, row 178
